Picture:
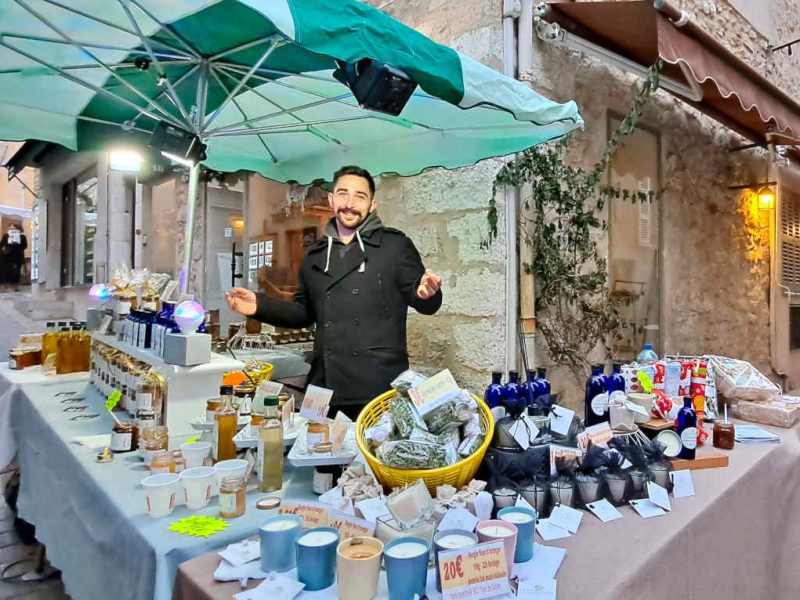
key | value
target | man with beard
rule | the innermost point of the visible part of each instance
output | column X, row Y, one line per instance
column 356, row 284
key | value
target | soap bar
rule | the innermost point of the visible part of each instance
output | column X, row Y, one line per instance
column 411, row 505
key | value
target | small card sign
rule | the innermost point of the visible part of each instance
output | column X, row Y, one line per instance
column 287, row 413
column 541, row 589
column 647, row 509
column 315, row 404
column 549, row 532
column 561, row 419
column 604, row 510
column 474, row 573
column 458, row 518
column 312, row 514
column 566, row 517
column 683, row 486
column 338, row 430
column 350, row 526
column 433, row 392
column 270, row 388
column 658, row 495
column 598, row 435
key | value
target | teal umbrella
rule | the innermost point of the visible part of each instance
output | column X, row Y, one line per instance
column 253, row 80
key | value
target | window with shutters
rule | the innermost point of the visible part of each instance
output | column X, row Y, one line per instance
column 790, row 240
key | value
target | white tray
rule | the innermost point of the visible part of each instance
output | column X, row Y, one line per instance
column 246, row 439
column 200, row 423
column 299, row 457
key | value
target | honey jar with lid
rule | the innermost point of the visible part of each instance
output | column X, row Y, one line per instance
column 232, row 497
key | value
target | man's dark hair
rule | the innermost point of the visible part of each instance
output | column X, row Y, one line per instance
column 359, row 172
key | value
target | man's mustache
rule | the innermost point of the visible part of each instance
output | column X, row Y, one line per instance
column 346, row 211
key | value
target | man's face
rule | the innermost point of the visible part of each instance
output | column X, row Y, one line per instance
column 351, row 201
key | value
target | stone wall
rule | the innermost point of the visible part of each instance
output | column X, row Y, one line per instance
column 444, row 212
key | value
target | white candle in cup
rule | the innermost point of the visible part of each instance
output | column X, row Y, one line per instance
column 496, row 531
column 406, row 550
column 454, row 541
column 516, row 518
column 280, row 525
column 317, row 538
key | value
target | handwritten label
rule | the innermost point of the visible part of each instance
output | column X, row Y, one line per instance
column 557, row 451
column 637, row 408
column 521, row 433
column 312, row 515
column 658, row 495
column 270, row 388
column 647, row 509
column 566, row 517
column 683, row 484
column 458, row 518
column 543, row 589
column 549, row 532
column 433, row 392
column 561, row 419
column 476, row 572
column 604, row 510
column 315, row 404
column 598, row 435
column 350, row 526
column 338, row 430
column 113, row 400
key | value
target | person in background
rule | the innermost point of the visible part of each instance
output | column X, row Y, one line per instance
column 356, row 284
column 12, row 257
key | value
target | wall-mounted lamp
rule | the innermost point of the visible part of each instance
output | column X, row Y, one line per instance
column 766, row 198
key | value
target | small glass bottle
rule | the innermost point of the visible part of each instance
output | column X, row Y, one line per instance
column 256, row 418
column 270, row 448
column 225, row 420
column 513, row 399
column 232, row 497
column 596, row 398
column 687, row 429
column 493, row 396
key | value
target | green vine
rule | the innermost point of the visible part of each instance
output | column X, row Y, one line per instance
column 575, row 310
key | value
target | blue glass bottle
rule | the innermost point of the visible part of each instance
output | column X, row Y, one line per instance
column 616, row 383
column 493, row 396
column 687, row 429
column 528, row 389
column 596, row 398
column 513, row 398
column 542, row 384
column 164, row 324
column 202, row 327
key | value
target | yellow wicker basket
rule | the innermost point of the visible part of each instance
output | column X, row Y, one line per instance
column 257, row 372
column 458, row 474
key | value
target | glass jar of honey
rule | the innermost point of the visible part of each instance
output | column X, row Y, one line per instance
column 256, row 418
column 317, row 432
column 212, row 406
column 162, row 462
column 232, row 497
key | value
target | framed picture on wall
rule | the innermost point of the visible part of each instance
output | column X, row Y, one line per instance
column 253, row 262
column 268, row 247
column 261, row 260
column 251, row 277
column 253, row 248
column 268, row 260
column 261, row 246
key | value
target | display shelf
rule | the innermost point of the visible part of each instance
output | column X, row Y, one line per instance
column 188, row 388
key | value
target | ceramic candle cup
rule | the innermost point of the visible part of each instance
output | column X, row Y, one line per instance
column 588, row 487
column 496, row 530
column 197, row 483
column 278, row 536
column 450, row 539
column 316, row 557
column 617, row 484
column 525, row 521
column 537, row 495
column 358, row 565
column 562, row 492
column 504, row 497
column 406, row 561
column 161, row 492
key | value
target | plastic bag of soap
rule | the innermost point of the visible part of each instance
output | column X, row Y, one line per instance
column 405, row 417
column 442, row 418
column 407, row 380
column 381, row 431
column 410, row 454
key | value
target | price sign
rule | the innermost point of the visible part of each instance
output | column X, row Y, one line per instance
column 474, row 573
column 315, row 404
column 598, row 435
column 312, row 514
column 434, row 392
column 350, row 526
column 287, row 413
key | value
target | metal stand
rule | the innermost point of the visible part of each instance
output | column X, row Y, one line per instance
column 188, row 232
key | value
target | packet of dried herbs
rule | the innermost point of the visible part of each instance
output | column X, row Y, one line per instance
column 381, row 431
column 405, row 417
column 450, row 437
column 407, row 380
column 470, row 445
column 442, row 418
column 408, row 454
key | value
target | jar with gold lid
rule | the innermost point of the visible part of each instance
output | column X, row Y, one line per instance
column 162, row 462
column 316, row 433
column 232, row 497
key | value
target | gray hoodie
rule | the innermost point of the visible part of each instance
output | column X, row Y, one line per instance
column 370, row 224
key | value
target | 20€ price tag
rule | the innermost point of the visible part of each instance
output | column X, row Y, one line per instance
column 474, row 573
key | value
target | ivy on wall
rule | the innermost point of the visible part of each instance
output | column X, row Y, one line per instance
column 576, row 312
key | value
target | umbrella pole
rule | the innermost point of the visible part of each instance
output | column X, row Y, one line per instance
column 188, row 231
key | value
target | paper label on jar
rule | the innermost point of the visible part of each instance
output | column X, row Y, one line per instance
column 689, row 438
column 245, row 405
column 12, row 364
column 617, row 397
column 123, row 307
column 600, row 404
column 144, row 401
column 227, row 502
column 159, row 470
column 120, row 441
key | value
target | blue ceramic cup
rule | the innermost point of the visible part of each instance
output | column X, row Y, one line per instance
column 278, row 535
column 316, row 557
column 450, row 539
column 406, row 561
column 525, row 520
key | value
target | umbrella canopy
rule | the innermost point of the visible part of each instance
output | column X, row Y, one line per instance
column 253, row 79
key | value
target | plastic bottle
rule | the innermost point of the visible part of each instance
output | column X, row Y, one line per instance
column 647, row 354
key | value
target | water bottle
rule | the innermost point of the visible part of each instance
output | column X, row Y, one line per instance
column 687, row 429
column 493, row 396
column 647, row 354
column 596, row 398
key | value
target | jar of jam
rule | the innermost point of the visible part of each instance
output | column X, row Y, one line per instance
column 124, row 437
column 178, row 460
column 317, row 432
column 724, row 435
column 162, row 462
column 232, row 497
